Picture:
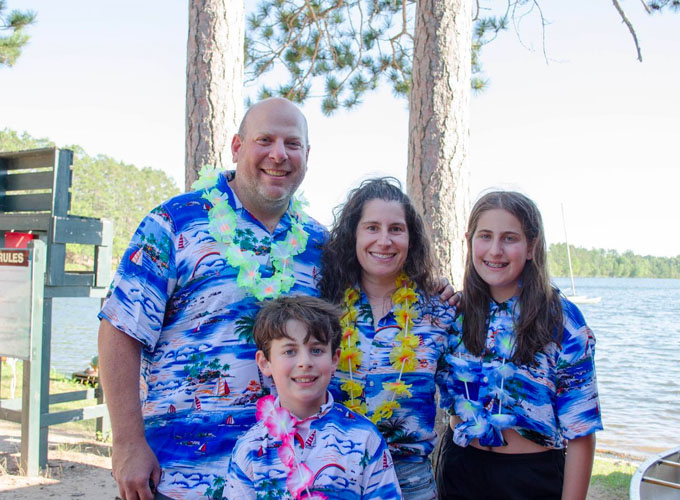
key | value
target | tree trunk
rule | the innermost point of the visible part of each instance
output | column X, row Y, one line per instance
column 214, row 82
column 439, row 133
column 439, row 127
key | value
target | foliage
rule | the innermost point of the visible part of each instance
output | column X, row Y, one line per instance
column 658, row 5
column 105, row 188
column 12, row 141
column 350, row 45
column 347, row 48
column 610, row 264
column 14, row 22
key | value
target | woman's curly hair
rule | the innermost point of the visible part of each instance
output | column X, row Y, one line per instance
column 340, row 267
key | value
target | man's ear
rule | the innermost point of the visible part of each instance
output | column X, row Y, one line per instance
column 263, row 363
column 236, row 143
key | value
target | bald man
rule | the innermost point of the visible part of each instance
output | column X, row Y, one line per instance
column 181, row 306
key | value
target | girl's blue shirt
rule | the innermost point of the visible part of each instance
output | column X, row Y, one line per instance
column 549, row 403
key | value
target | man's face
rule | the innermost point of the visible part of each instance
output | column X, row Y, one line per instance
column 271, row 156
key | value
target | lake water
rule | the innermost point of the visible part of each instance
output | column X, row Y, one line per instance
column 637, row 356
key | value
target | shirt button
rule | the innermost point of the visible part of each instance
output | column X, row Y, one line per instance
column 371, row 383
column 485, row 379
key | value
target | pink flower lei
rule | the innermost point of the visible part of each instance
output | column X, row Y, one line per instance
column 282, row 425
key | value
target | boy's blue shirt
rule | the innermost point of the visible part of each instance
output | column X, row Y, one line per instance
column 345, row 451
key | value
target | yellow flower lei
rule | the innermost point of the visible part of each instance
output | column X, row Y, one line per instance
column 402, row 356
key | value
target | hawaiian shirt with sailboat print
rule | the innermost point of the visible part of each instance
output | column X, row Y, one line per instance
column 409, row 431
column 549, row 403
column 175, row 292
column 347, row 456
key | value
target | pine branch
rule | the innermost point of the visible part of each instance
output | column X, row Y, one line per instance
column 625, row 20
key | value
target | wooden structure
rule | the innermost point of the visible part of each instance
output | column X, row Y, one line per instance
column 35, row 200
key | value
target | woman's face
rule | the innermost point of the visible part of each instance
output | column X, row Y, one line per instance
column 382, row 240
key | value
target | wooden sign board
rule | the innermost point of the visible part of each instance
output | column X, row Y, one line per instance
column 15, row 303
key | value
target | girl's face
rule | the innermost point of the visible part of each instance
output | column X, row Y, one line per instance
column 499, row 252
column 382, row 240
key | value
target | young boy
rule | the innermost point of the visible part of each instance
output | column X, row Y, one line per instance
column 304, row 445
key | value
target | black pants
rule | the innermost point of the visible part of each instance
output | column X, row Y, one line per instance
column 472, row 474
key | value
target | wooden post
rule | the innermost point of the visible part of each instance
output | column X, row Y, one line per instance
column 35, row 397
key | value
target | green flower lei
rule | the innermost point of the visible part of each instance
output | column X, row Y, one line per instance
column 222, row 223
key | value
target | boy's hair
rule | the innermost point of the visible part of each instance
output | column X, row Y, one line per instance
column 540, row 319
column 321, row 318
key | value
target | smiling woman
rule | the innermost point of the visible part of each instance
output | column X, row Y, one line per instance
column 382, row 242
column 377, row 265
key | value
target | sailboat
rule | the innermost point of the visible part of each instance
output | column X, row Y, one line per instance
column 573, row 297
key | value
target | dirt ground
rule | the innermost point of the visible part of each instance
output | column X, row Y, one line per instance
column 78, row 467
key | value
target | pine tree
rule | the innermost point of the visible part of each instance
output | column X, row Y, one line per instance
column 214, row 83
column 426, row 50
column 14, row 23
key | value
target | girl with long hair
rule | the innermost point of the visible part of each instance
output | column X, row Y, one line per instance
column 377, row 265
column 521, row 386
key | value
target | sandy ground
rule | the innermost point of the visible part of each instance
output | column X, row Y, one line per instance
column 78, row 467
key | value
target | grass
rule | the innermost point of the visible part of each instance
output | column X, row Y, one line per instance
column 58, row 384
column 612, row 476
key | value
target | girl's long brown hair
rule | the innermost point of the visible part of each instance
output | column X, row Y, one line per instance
column 540, row 308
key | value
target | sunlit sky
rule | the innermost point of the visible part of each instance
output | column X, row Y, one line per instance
column 592, row 129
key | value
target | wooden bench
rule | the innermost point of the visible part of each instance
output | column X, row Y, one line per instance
column 35, row 197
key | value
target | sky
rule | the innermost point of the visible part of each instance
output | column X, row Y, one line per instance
column 591, row 129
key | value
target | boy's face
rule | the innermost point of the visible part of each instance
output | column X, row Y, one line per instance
column 301, row 371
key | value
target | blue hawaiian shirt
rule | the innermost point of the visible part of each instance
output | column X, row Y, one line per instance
column 549, row 403
column 410, row 431
column 346, row 453
column 175, row 292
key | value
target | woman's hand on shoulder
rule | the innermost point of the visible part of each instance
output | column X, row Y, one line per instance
column 447, row 293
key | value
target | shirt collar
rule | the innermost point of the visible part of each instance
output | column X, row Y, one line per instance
column 508, row 305
column 325, row 408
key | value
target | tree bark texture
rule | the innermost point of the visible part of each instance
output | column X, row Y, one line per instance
column 439, row 127
column 214, row 102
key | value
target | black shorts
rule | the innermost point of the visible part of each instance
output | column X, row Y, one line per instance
column 473, row 474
